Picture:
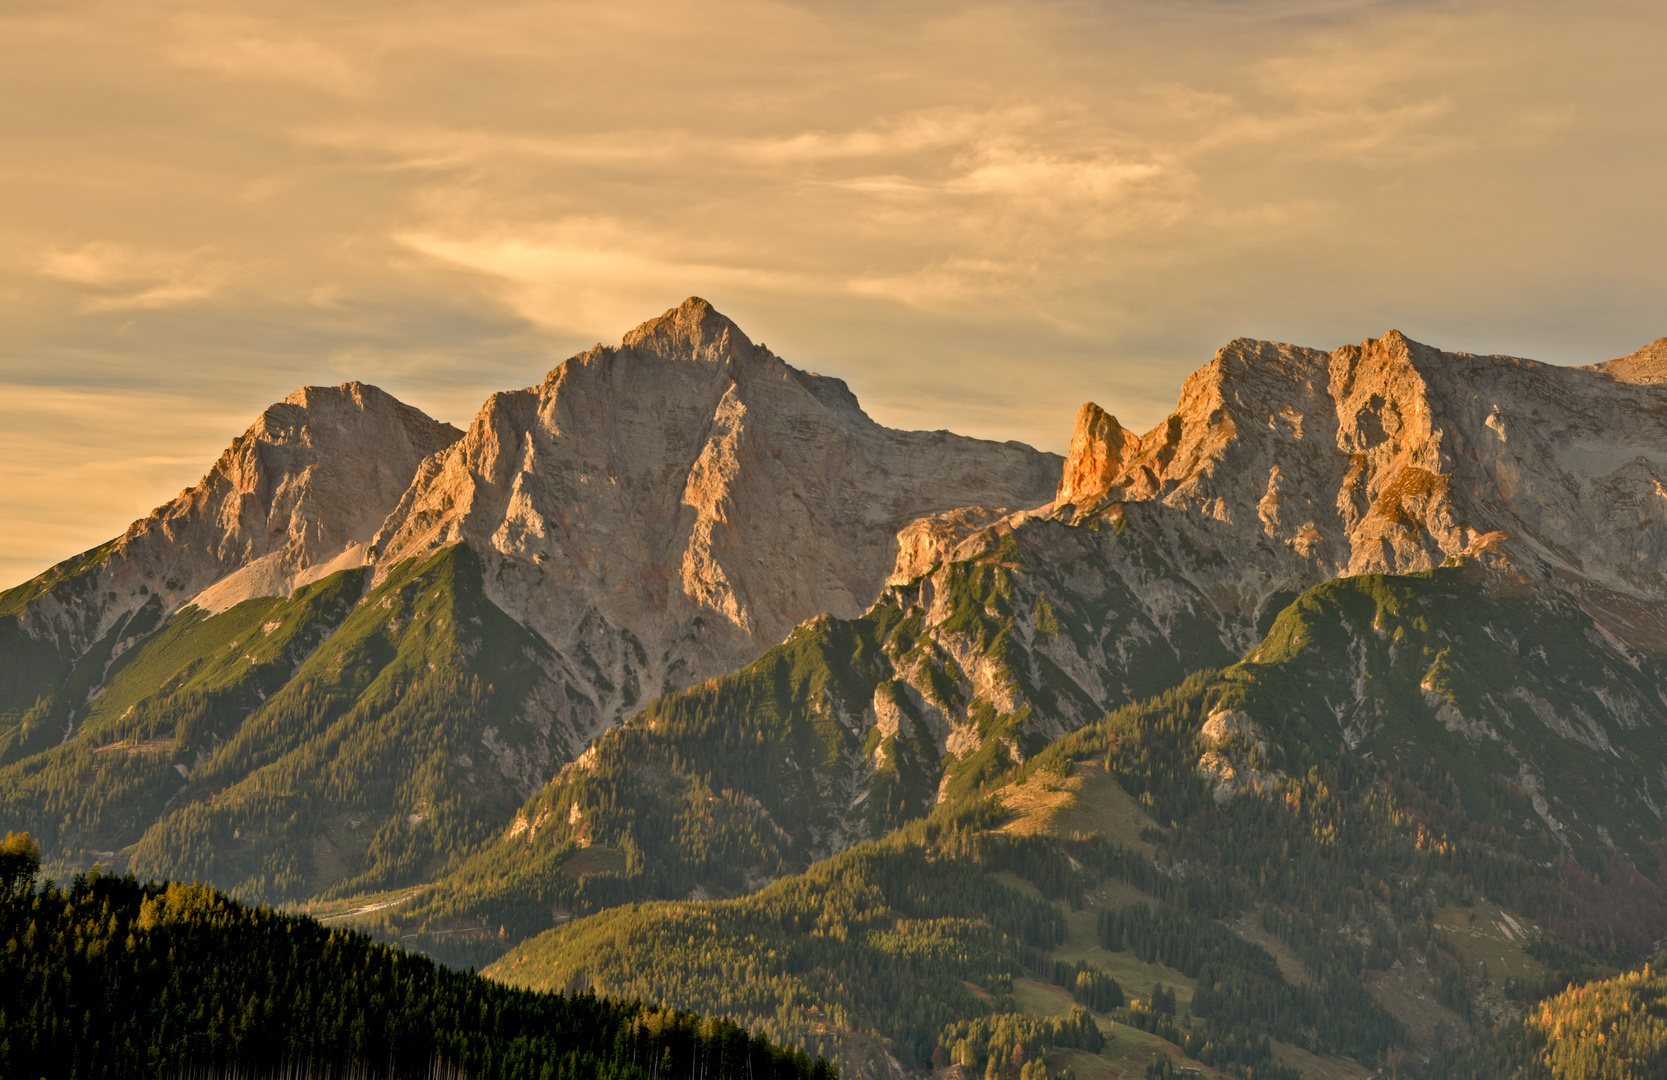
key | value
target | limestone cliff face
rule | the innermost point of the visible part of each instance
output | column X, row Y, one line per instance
column 297, row 496
column 663, row 511
column 1389, row 456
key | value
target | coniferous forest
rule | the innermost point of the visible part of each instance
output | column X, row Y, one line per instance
column 108, row 977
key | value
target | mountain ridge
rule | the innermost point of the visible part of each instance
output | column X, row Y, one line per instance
column 1351, row 644
column 664, row 511
column 294, row 505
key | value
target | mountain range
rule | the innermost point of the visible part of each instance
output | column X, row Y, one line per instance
column 1335, row 703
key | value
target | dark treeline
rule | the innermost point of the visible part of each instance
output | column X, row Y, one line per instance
column 113, row 978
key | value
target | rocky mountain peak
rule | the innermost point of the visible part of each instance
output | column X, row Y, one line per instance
column 667, row 509
column 1648, row 365
column 692, row 331
column 1100, row 450
column 296, row 496
column 1391, row 456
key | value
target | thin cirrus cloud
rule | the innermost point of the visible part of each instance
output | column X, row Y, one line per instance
column 117, row 277
column 574, row 276
column 224, row 51
column 978, row 214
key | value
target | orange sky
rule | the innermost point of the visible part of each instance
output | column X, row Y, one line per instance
column 980, row 215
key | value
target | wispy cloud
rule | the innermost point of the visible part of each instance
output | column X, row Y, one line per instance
column 238, row 47
column 123, row 278
column 1094, row 194
column 593, row 277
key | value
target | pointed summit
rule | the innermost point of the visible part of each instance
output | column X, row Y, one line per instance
column 664, row 511
column 297, row 495
column 1100, row 450
column 694, row 330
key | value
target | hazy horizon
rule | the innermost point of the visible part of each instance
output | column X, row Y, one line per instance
column 978, row 215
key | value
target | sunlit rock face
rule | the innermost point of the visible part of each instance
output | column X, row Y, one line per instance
column 1389, row 456
column 1100, row 451
column 663, row 511
column 296, row 497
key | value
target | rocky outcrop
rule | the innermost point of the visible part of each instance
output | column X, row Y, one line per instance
column 664, row 511
column 297, row 496
column 1100, row 451
column 1648, row 365
column 1391, row 456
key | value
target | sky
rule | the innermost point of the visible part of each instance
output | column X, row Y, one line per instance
column 979, row 215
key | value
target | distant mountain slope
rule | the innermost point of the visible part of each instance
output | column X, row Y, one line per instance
column 868, row 958
column 853, row 726
column 1406, row 763
column 286, row 748
column 1390, row 455
column 664, row 511
column 996, row 637
column 1424, row 800
column 1544, row 727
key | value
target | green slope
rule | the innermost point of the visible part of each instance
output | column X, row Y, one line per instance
column 1319, row 841
column 360, row 772
column 1548, row 731
column 162, row 707
column 289, row 747
column 45, row 683
column 843, row 732
column 901, row 951
column 872, row 952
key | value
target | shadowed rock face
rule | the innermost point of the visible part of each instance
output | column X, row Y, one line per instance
column 1389, row 456
column 663, row 511
column 297, row 496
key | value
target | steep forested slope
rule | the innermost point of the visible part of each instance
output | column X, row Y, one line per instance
column 852, row 727
column 1605, row 1029
column 876, row 948
column 288, row 747
column 1326, row 799
column 109, row 978
column 166, row 701
column 1613, row 1029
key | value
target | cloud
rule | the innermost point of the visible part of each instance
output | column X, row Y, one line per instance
column 243, row 48
column 125, row 278
column 969, row 211
column 592, row 277
column 911, row 133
